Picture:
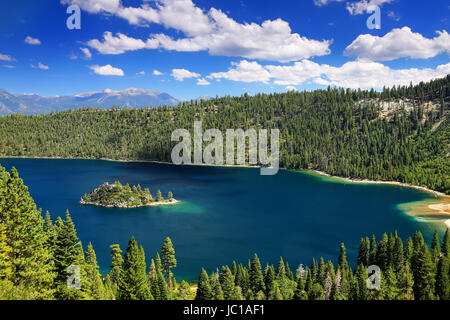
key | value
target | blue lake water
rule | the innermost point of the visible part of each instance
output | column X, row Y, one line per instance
column 226, row 214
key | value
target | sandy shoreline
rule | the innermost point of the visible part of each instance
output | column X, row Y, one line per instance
column 430, row 210
column 395, row 183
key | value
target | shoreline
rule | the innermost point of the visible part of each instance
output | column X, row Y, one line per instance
column 394, row 183
column 437, row 208
column 321, row 173
column 151, row 204
column 440, row 206
column 311, row 171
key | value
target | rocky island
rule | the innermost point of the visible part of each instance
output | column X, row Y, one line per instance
column 117, row 195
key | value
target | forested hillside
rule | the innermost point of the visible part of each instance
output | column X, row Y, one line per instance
column 35, row 255
column 342, row 132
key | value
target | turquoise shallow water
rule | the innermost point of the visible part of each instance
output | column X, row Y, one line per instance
column 226, row 214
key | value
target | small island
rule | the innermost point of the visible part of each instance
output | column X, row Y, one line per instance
column 117, row 195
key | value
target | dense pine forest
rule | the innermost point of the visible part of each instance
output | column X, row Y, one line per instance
column 401, row 133
column 36, row 253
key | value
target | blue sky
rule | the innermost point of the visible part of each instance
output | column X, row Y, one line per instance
column 209, row 48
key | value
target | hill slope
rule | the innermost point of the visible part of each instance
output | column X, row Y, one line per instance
column 347, row 133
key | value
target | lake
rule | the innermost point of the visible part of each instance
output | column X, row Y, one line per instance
column 226, row 213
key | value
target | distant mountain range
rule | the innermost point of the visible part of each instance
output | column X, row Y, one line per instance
column 35, row 104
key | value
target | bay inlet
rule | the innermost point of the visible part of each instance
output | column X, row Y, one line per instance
column 226, row 213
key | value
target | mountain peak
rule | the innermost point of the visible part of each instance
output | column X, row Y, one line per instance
column 36, row 104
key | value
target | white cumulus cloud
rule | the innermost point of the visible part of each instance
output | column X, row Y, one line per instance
column 32, row 41
column 120, row 43
column 157, row 73
column 203, row 82
column 87, row 53
column 5, row 57
column 321, row 3
column 107, row 70
column 362, row 74
column 40, row 66
column 212, row 31
column 355, row 7
column 244, row 71
column 399, row 43
column 181, row 74
column 360, row 7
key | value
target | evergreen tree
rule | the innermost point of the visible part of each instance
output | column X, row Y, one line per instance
column 159, row 288
column 405, row 282
column 159, row 196
column 135, row 284
column 389, row 286
column 398, row 256
column 66, row 254
column 24, row 238
column 109, row 288
column 216, row 289
column 158, row 263
column 116, row 274
column 361, row 278
column 446, row 244
column 373, row 251
column 390, row 248
column 313, row 270
column 321, row 272
column 363, row 252
column 309, row 282
column 289, row 273
column 300, row 293
column 342, row 261
column 443, row 279
column 51, row 234
column 227, row 284
column 168, row 258
column 435, row 247
column 152, row 271
column 184, row 291
column 234, row 268
column 203, row 287
column 269, row 279
column 256, row 278
column 245, row 283
column 382, row 259
column 281, row 269
column 277, row 293
column 409, row 250
column 5, row 262
column 95, row 288
column 422, row 271
column 316, row 292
